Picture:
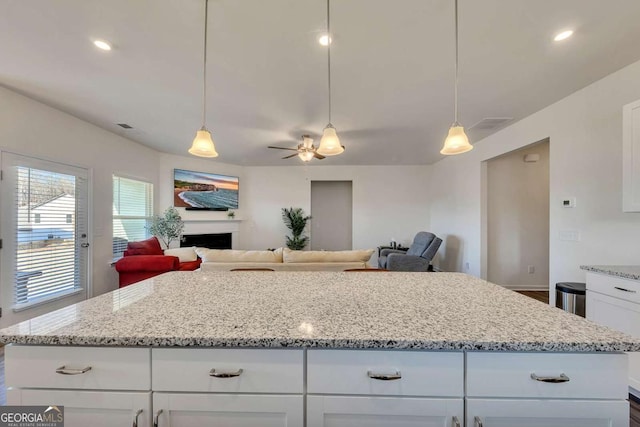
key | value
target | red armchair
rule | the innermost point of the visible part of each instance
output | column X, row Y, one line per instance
column 146, row 259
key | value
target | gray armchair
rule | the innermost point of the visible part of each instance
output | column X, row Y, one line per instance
column 417, row 258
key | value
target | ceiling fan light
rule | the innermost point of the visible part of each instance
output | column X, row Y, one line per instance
column 330, row 144
column 456, row 142
column 306, row 156
column 202, row 145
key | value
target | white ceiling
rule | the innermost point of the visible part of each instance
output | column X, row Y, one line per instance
column 392, row 68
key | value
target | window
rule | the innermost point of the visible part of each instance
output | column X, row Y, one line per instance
column 132, row 211
column 47, row 257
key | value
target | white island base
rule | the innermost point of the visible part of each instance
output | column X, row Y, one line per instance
column 195, row 387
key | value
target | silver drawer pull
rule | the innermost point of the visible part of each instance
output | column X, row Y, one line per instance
column 220, row 374
column 455, row 422
column 477, row 422
column 561, row 379
column 155, row 418
column 135, row 420
column 63, row 370
column 384, row 377
column 625, row 290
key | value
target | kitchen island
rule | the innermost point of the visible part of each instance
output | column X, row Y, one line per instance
column 319, row 349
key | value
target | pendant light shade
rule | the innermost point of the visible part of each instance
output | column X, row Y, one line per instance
column 306, row 156
column 456, row 141
column 202, row 145
column 330, row 143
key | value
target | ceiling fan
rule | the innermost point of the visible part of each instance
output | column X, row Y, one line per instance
column 305, row 150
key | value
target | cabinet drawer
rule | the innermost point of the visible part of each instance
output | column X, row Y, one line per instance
column 614, row 286
column 349, row 372
column 238, row 370
column 110, row 368
column 591, row 376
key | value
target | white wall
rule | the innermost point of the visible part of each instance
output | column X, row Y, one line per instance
column 518, row 219
column 585, row 131
column 30, row 128
column 388, row 201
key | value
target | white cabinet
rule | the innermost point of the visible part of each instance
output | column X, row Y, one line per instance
column 420, row 388
column 631, row 157
column 227, row 410
column 90, row 408
column 198, row 373
column 615, row 302
column 342, row 411
column 546, row 413
column 85, row 380
column 546, row 390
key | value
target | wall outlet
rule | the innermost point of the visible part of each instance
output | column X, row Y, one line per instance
column 466, row 266
column 531, row 269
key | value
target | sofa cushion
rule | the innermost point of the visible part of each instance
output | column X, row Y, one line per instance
column 151, row 246
column 184, row 254
column 156, row 263
column 190, row 265
column 283, row 266
column 230, row 255
column 362, row 255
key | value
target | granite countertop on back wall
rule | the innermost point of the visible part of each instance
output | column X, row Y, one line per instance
column 631, row 272
column 437, row 311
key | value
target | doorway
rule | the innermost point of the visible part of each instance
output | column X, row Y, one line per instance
column 331, row 215
column 517, row 218
column 45, row 251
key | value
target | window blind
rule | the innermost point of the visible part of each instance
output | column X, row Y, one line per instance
column 49, row 260
column 132, row 211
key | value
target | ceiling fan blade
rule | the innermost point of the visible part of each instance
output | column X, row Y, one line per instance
column 318, row 156
column 288, row 157
column 282, row 148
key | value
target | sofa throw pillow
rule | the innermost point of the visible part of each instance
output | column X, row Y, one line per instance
column 184, row 254
column 151, row 246
column 231, row 255
column 361, row 255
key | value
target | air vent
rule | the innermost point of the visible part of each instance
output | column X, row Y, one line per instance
column 125, row 126
column 491, row 123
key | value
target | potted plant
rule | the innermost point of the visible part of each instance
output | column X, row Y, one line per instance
column 296, row 221
column 167, row 227
column 231, row 214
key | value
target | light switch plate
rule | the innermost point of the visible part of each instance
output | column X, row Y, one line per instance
column 569, row 235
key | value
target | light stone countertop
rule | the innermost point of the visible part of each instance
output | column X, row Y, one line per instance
column 631, row 272
column 437, row 311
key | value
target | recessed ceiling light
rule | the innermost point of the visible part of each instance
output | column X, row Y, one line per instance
column 324, row 40
column 101, row 44
column 563, row 35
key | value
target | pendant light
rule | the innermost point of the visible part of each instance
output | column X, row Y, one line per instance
column 329, row 144
column 457, row 141
column 202, row 145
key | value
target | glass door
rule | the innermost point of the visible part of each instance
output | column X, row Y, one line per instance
column 44, row 231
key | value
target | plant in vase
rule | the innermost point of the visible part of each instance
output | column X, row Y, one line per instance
column 231, row 214
column 167, row 227
column 296, row 221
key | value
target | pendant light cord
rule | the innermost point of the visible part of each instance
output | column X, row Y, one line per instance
column 329, row 56
column 455, row 92
column 204, row 74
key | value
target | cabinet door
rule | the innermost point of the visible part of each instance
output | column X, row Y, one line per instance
column 90, row 408
column 227, row 410
column 547, row 413
column 343, row 411
column 620, row 315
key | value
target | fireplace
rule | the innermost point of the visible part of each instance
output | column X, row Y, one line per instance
column 211, row 241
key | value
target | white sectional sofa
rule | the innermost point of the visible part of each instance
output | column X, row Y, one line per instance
column 283, row 259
